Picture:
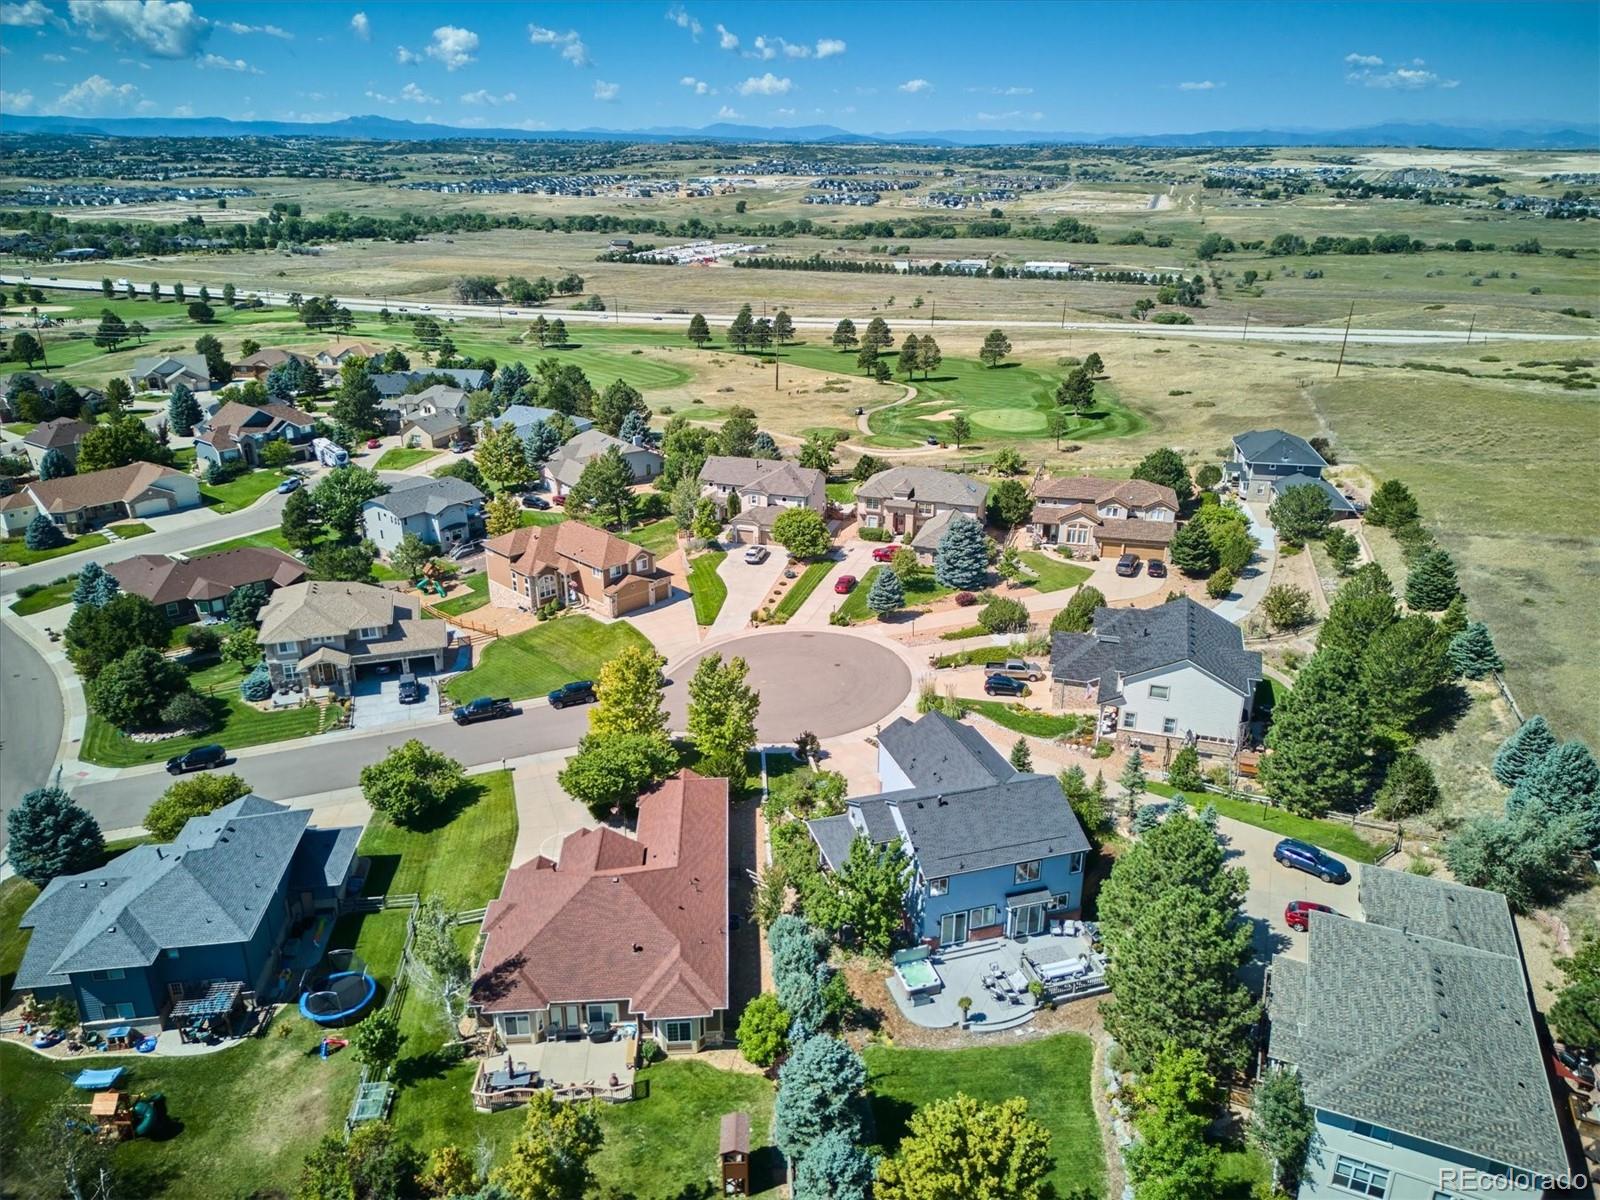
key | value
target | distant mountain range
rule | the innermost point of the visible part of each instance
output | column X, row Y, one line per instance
column 1527, row 135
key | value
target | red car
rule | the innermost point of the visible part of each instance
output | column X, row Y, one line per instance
column 883, row 553
column 1298, row 915
column 373, row 443
column 845, row 584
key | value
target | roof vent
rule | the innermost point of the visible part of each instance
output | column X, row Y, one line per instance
column 83, row 883
column 637, row 948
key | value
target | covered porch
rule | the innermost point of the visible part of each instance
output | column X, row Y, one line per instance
column 580, row 1070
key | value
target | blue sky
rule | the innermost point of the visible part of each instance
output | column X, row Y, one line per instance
column 870, row 67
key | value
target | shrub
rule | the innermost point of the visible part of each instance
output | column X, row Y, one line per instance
column 965, row 599
column 1220, row 583
column 763, row 1031
column 1287, row 606
column 187, row 710
column 1003, row 615
column 197, row 796
column 257, row 686
column 1408, row 789
column 202, row 639
column 413, row 784
column 867, row 534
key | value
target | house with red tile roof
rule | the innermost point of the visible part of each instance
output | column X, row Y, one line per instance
column 572, row 564
column 618, row 930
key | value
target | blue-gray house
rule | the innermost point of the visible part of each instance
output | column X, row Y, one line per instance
column 1267, row 462
column 994, row 852
column 127, row 940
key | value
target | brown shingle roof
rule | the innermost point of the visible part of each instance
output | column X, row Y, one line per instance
column 1091, row 489
column 162, row 580
column 113, row 486
column 16, row 500
column 1124, row 529
column 270, row 357
column 537, row 547
column 63, row 431
column 643, row 919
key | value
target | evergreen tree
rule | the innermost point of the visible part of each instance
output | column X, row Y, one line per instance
column 54, row 464
column 1472, row 651
column 1454, row 618
column 48, row 835
column 1021, row 756
column 742, row 329
column 1184, row 771
column 699, row 331
column 910, row 355
column 962, row 559
column 878, row 335
column 1431, row 584
column 1408, row 788
column 1078, row 615
column 89, row 577
column 888, row 594
column 1563, row 784
column 929, row 356
column 834, row 1168
column 960, row 1147
column 1193, row 551
column 1523, row 751
column 183, row 411
column 783, row 327
column 996, row 346
column 1342, row 549
column 1301, row 513
column 1526, row 857
column 1165, row 468
column 1319, row 739
column 357, row 406
column 43, row 534
column 1403, row 667
column 1364, row 605
column 1392, row 506
column 1282, row 1125
column 604, row 490
column 539, row 445
column 818, row 1094
column 844, row 335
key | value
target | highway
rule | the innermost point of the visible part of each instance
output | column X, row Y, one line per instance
column 1256, row 331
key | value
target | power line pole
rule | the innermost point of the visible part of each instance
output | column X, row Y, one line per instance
column 1246, row 332
column 1471, row 325
column 1063, row 314
column 1346, row 341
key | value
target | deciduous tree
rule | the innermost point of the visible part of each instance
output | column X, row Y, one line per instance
column 722, row 717
column 1301, row 513
column 413, row 554
column 413, row 785
column 502, row 459
column 764, row 1031
column 197, row 796
column 802, row 532
column 340, row 495
column 608, row 773
column 550, row 1160
column 630, row 695
column 98, row 635
column 958, row 1146
column 1164, row 467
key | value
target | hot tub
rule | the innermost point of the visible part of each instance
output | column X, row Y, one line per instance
column 918, row 975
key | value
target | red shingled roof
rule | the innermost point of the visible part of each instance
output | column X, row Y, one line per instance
column 642, row 919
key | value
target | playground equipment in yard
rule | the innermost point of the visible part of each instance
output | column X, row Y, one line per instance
column 340, row 992
column 332, row 1044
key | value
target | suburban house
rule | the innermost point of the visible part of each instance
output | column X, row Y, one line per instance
column 442, row 512
column 994, row 852
column 159, row 924
column 436, row 400
column 522, row 417
column 1104, row 518
column 917, row 504
column 16, row 511
column 16, row 383
column 329, row 361
column 618, row 930
column 239, row 432
column 187, row 589
column 562, row 471
column 1163, row 677
column 432, row 431
column 393, row 384
column 82, row 502
column 1418, row 1047
column 259, row 364
column 572, row 564
column 1266, row 462
column 163, row 372
column 763, row 488
column 63, row 434
column 325, row 634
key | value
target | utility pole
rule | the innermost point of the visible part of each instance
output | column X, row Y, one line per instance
column 933, row 314
column 1346, row 341
column 1471, row 325
column 775, row 373
column 1246, row 332
column 1063, row 314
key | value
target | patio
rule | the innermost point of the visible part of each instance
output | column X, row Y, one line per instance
column 998, row 974
column 577, row 1070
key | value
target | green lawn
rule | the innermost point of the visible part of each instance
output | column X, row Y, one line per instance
column 16, row 894
column 1330, row 835
column 272, row 538
column 843, row 493
column 920, row 589
column 532, row 516
column 20, row 428
column 544, row 657
column 399, row 459
column 962, row 634
column 463, row 860
column 477, row 597
column 241, row 492
column 1053, row 1074
column 800, row 590
column 706, row 586
column 658, row 537
column 1039, row 725
column 239, row 725
column 1050, row 573
column 15, row 549
column 51, row 595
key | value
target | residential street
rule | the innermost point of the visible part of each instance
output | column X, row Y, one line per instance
column 31, row 719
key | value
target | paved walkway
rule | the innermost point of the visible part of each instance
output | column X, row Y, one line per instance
column 545, row 814
column 1257, row 577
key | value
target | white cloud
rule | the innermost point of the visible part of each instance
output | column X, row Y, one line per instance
column 484, row 96
column 763, row 48
column 1013, row 115
column 53, row 58
column 795, row 50
column 699, row 86
column 766, row 85
column 1363, row 60
column 828, row 47
column 1364, row 72
column 163, row 29
column 15, row 102
column 411, row 93
column 269, row 30
column 95, row 94
column 726, row 39
column 679, row 17
column 1202, row 85
column 569, row 43
column 727, row 114
column 30, row 15
column 783, row 112
column 406, row 58
column 217, row 62
column 606, row 91
column 183, row 110
column 361, row 27
column 916, row 85
column 453, row 46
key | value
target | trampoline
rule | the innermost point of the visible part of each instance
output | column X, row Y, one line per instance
column 341, row 991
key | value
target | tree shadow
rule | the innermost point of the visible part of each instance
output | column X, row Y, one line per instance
column 890, row 1118
column 431, row 1064
column 381, row 871
column 1446, row 707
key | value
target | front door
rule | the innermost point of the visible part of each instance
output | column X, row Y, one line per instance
column 953, row 928
column 565, row 1018
column 899, row 523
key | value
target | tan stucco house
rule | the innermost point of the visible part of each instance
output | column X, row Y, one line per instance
column 572, row 565
column 326, row 634
column 918, row 503
column 1090, row 517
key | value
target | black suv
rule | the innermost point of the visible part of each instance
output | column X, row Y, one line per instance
column 410, row 689
column 201, row 758
column 572, row 693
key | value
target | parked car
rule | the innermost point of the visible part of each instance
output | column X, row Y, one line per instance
column 529, row 500
column 845, row 584
column 757, row 554
column 201, row 758
column 1156, row 569
column 373, row 443
column 1003, row 685
column 572, row 693
column 458, row 447
column 1297, row 915
column 289, row 485
column 410, row 689
column 1302, row 856
column 932, row 441
column 484, row 708
column 466, row 550
column 1128, row 565
column 1016, row 668
column 884, row 553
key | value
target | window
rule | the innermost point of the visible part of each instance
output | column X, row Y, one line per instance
column 1169, row 725
column 112, row 973
column 1028, row 872
column 174, row 953
column 1366, row 1129
column 1363, row 1179
column 122, row 1011
column 516, row 1024
column 287, row 647
column 642, row 564
column 924, row 510
column 1077, row 535
column 602, row 1014
column 368, row 635
column 1159, row 691
column 938, row 887
column 1129, row 718
column 977, row 918
column 616, row 572
column 1077, row 863
column 678, row 1031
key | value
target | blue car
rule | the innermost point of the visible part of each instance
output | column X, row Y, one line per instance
column 1004, row 685
column 1302, row 856
column 288, row 485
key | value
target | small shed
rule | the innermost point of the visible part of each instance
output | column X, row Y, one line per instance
column 734, row 1150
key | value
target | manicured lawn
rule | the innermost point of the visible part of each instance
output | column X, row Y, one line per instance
column 16, row 894
column 272, row 538
column 462, row 860
column 241, row 492
column 658, row 537
column 800, row 589
column 532, row 516
column 239, row 725
column 1040, row 725
column 131, row 529
column 1330, row 835
column 550, row 654
column 15, row 550
column 920, row 589
column 1052, row 1074
column 706, row 586
column 965, row 632
column 477, row 597
column 1051, row 574
column 51, row 595
column 399, row 459
column 843, row 493
column 20, row 428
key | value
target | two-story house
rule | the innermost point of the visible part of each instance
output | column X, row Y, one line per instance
column 187, row 589
column 79, row 503
column 430, row 406
column 561, row 473
column 918, row 503
column 993, row 852
column 1267, row 462
column 1161, row 677
column 259, row 365
column 1418, row 1048
column 326, row 634
column 239, row 432
column 522, row 417
column 163, row 372
column 617, row 929
column 63, row 434
column 572, row 565
column 328, row 361
column 763, row 488
column 126, row 941
column 1090, row 517
column 442, row 512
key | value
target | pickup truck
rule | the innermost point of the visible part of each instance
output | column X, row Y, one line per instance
column 1014, row 668
column 483, row 708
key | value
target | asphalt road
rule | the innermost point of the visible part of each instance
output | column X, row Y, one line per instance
column 30, row 719
column 1256, row 330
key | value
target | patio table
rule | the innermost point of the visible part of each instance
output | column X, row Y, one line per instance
column 1018, row 981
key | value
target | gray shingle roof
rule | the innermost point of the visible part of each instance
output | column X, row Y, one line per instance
column 524, row 415
column 433, row 424
column 1131, row 641
column 930, row 531
column 761, row 475
column 1431, row 908
column 1277, row 447
column 927, row 485
column 937, row 752
column 1429, row 1037
column 411, row 497
column 953, row 832
column 1336, row 499
column 833, row 836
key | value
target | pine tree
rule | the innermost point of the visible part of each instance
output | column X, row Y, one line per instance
column 1192, row 551
column 55, row 464
column 844, row 335
column 1319, row 739
column 1454, row 618
column 48, row 835
column 962, row 559
column 699, row 331
column 996, row 346
column 1364, row 605
column 1472, row 652
column 1431, row 585
column 888, row 594
column 89, row 576
column 1392, row 506
column 1523, row 750
column 740, row 331
column 1400, row 671
column 1022, row 756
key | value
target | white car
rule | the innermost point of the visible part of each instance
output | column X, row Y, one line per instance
column 757, row 554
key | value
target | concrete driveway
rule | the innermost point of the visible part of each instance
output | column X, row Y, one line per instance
column 378, row 702
column 748, row 585
column 855, row 559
